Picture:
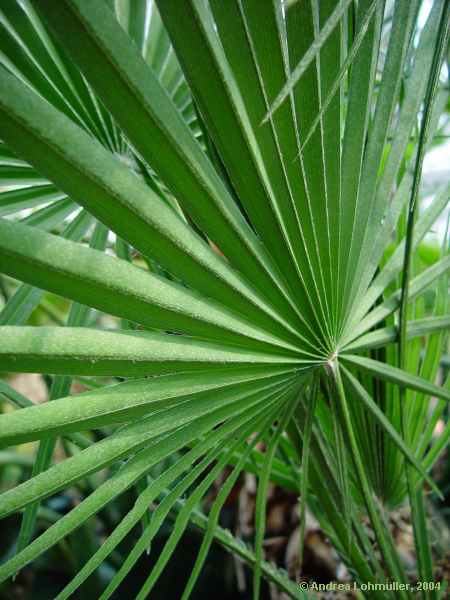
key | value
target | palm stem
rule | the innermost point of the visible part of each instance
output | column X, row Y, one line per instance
column 422, row 544
column 383, row 537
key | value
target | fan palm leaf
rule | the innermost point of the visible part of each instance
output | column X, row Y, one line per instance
column 220, row 183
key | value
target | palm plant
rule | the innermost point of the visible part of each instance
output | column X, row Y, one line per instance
column 232, row 188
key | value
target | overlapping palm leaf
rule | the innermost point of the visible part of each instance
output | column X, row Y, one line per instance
column 254, row 160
